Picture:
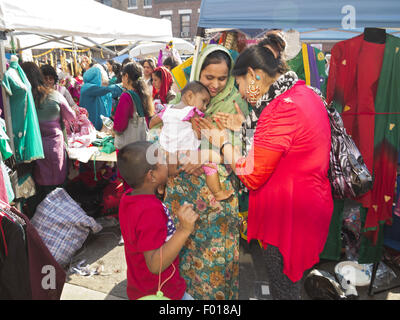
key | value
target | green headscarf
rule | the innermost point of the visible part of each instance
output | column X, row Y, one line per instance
column 223, row 101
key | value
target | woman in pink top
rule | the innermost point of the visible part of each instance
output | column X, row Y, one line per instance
column 290, row 201
column 133, row 82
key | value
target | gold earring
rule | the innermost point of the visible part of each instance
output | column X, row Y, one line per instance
column 253, row 91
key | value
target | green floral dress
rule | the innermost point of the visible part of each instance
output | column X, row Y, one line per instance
column 209, row 262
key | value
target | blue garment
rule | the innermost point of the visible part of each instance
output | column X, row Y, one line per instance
column 92, row 93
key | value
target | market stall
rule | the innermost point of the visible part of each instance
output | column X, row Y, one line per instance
column 75, row 25
column 343, row 22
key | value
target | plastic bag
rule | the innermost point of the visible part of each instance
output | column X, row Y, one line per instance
column 384, row 275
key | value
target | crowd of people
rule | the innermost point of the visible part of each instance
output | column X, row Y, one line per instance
column 245, row 135
column 179, row 224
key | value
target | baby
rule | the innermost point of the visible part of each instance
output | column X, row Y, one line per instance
column 178, row 137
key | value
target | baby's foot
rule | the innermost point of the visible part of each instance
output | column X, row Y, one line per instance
column 223, row 195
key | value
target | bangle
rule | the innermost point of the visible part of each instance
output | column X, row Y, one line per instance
column 222, row 147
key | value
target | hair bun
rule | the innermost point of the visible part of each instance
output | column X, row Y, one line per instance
column 274, row 40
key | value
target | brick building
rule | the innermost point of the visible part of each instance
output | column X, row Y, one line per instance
column 184, row 14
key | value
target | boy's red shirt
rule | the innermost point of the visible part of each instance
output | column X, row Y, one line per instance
column 145, row 226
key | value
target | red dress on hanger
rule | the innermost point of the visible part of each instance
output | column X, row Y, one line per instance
column 353, row 81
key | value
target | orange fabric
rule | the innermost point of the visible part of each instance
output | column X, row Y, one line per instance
column 256, row 168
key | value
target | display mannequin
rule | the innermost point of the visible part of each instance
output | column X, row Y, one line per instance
column 293, row 44
column 14, row 73
column 375, row 35
column 25, row 125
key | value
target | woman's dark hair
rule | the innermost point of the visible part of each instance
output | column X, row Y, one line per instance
column 117, row 68
column 110, row 62
column 135, row 73
column 158, row 74
column 48, row 70
column 151, row 63
column 35, row 77
column 217, row 57
column 126, row 60
column 171, row 62
column 260, row 56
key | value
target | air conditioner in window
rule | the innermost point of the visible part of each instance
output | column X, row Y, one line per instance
column 185, row 34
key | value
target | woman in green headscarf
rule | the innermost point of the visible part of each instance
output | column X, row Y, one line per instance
column 210, row 258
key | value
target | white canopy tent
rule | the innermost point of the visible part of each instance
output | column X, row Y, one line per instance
column 144, row 49
column 76, row 23
column 85, row 18
column 56, row 20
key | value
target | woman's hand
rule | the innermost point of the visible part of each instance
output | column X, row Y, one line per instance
column 231, row 121
column 191, row 163
column 216, row 135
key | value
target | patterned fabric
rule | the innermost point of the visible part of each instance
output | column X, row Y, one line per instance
column 170, row 224
column 209, row 262
column 63, row 225
column 281, row 287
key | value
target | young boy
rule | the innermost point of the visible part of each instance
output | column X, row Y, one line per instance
column 147, row 227
column 178, row 138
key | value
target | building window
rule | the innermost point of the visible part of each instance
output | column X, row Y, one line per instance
column 132, row 4
column 107, row 2
column 147, row 4
column 168, row 17
column 185, row 25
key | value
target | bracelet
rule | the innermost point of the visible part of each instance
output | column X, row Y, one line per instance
column 222, row 147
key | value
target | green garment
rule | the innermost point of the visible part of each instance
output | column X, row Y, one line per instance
column 106, row 144
column 25, row 125
column 386, row 148
column 333, row 244
column 5, row 148
column 297, row 65
column 113, row 80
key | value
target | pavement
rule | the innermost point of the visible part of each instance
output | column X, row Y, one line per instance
column 103, row 271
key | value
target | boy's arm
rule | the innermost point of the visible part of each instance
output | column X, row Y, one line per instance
column 171, row 248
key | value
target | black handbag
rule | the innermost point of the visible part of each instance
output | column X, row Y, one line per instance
column 348, row 174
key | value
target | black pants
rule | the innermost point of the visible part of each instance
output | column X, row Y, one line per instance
column 281, row 287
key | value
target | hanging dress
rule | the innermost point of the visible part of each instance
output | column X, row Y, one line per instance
column 25, row 125
column 309, row 65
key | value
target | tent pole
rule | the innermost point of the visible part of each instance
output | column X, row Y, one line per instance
column 101, row 46
column 38, row 44
column 6, row 99
column 197, row 48
column 120, row 53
